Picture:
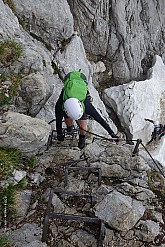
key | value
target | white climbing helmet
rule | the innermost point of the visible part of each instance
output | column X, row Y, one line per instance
column 73, row 108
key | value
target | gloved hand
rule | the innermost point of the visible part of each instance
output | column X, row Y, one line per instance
column 115, row 136
column 60, row 137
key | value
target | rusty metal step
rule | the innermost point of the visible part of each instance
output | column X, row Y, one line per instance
column 52, row 215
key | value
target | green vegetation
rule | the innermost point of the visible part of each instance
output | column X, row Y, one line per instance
column 4, row 242
column 22, row 184
column 163, row 194
column 10, row 158
column 9, row 194
column 8, row 90
column 24, row 23
column 30, row 163
column 40, row 198
column 10, row 51
column 10, row 4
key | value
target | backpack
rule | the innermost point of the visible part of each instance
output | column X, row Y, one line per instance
column 75, row 86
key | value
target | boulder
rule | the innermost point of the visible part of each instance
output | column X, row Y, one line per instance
column 25, row 133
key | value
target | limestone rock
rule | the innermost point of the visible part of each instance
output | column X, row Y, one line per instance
column 53, row 22
column 23, row 132
column 119, row 211
column 138, row 100
column 34, row 93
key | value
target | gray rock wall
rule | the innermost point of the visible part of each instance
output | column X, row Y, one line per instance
column 122, row 34
column 48, row 21
column 125, row 33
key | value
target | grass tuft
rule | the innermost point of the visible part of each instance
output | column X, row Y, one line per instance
column 10, row 158
column 9, row 85
column 4, row 242
column 7, row 193
column 10, row 51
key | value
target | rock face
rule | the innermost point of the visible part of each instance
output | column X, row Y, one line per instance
column 114, row 44
column 51, row 22
column 131, row 212
column 34, row 93
column 129, row 53
column 112, row 207
column 127, row 33
column 23, row 132
column 138, row 100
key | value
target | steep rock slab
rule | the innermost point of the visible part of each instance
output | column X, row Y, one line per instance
column 34, row 66
column 35, row 56
column 91, row 22
column 119, row 211
column 23, row 132
column 128, row 33
column 50, row 21
column 138, row 100
column 73, row 57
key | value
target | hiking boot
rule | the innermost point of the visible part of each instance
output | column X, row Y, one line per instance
column 81, row 143
column 60, row 137
column 70, row 130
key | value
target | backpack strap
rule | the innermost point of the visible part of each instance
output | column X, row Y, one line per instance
column 84, row 78
column 81, row 75
column 67, row 76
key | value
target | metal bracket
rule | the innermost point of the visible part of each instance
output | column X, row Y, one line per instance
column 136, row 149
column 52, row 136
column 52, row 215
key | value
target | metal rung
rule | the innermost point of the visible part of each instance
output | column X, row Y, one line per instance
column 70, row 162
column 74, row 218
column 136, row 149
column 72, row 193
column 52, row 215
column 64, row 130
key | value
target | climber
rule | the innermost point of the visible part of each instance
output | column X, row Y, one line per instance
column 69, row 106
column 159, row 130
